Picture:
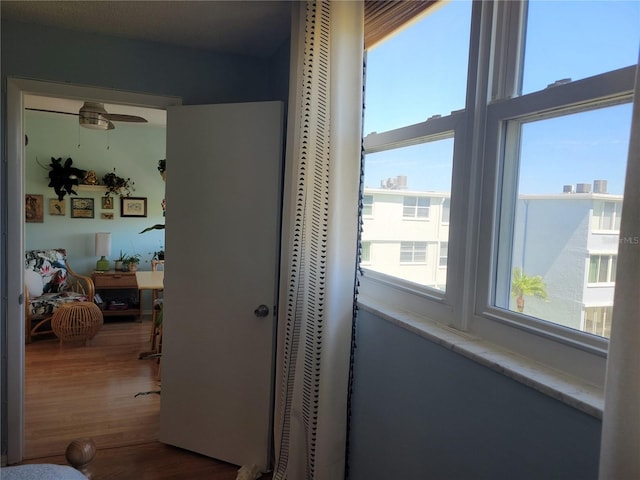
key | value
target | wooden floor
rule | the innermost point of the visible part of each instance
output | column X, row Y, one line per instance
column 75, row 391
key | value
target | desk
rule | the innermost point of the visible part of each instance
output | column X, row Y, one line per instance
column 153, row 281
column 119, row 290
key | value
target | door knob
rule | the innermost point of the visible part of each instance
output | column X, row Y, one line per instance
column 261, row 311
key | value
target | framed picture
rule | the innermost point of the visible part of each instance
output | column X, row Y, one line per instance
column 57, row 207
column 82, row 208
column 106, row 216
column 33, row 209
column 133, row 206
column 107, row 203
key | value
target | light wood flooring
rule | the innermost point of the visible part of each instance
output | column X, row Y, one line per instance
column 74, row 391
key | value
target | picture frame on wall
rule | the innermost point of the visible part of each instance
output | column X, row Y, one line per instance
column 33, row 208
column 57, row 207
column 107, row 203
column 82, row 208
column 133, row 206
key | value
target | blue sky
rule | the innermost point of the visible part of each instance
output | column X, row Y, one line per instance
column 403, row 88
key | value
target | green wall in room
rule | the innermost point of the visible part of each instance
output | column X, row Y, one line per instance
column 132, row 149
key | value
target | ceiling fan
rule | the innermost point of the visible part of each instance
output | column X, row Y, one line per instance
column 93, row 115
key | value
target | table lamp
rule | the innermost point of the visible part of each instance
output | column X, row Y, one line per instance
column 103, row 250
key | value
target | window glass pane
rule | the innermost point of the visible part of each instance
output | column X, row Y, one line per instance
column 578, row 39
column 553, row 257
column 408, row 80
column 409, row 188
column 365, row 253
column 367, row 205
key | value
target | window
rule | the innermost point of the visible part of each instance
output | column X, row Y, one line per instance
column 367, row 205
column 523, row 172
column 597, row 320
column 606, row 216
column 365, row 252
column 413, row 252
column 576, row 52
column 545, row 208
column 602, row 268
column 444, row 250
column 446, row 208
column 392, row 100
column 415, row 207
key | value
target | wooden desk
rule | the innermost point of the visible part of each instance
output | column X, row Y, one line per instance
column 153, row 281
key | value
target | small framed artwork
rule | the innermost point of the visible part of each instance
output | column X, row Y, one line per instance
column 33, row 209
column 106, row 216
column 82, row 208
column 57, row 207
column 107, row 203
column 133, row 206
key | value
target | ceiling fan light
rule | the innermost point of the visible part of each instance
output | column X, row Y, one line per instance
column 94, row 121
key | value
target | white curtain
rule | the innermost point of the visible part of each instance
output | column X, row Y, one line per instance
column 620, row 448
column 320, row 230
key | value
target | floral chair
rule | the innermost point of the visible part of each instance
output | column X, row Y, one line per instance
column 49, row 283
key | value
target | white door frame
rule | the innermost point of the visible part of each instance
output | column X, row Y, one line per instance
column 16, row 89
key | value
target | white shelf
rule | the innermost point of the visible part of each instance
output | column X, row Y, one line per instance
column 92, row 188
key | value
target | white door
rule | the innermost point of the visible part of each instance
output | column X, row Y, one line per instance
column 223, row 193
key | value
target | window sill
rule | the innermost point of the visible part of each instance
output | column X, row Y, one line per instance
column 562, row 387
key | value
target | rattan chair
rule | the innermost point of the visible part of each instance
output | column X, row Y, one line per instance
column 49, row 283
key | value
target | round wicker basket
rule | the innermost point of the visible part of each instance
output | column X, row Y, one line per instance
column 77, row 321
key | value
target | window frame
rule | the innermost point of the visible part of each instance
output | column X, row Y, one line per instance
column 480, row 138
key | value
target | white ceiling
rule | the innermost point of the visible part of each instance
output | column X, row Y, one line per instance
column 238, row 27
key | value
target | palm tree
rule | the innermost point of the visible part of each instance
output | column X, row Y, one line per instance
column 524, row 285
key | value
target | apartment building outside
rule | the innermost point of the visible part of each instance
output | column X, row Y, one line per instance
column 570, row 239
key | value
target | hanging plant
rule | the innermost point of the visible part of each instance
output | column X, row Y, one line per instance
column 64, row 177
column 117, row 185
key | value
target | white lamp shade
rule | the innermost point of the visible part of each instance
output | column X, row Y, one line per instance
column 103, row 244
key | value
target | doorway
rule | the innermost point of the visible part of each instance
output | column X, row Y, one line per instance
column 16, row 90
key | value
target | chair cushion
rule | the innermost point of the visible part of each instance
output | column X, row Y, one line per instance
column 50, row 266
column 47, row 303
column 33, row 281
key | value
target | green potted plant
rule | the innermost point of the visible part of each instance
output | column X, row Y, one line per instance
column 120, row 261
column 117, row 185
column 132, row 262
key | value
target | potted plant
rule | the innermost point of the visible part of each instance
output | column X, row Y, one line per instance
column 120, row 261
column 64, row 177
column 159, row 255
column 118, row 185
column 132, row 262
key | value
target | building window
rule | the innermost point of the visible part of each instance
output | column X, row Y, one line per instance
column 413, row 252
column 365, row 252
column 367, row 205
column 597, row 320
column 602, row 268
column 606, row 216
column 446, row 209
column 444, row 251
column 416, row 207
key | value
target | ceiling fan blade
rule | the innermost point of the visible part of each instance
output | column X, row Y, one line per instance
column 118, row 117
column 50, row 111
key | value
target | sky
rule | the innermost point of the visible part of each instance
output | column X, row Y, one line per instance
column 408, row 81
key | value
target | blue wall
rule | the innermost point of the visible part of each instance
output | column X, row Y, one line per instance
column 197, row 76
column 422, row 411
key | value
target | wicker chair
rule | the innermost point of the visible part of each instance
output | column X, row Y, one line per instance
column 49, row 283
